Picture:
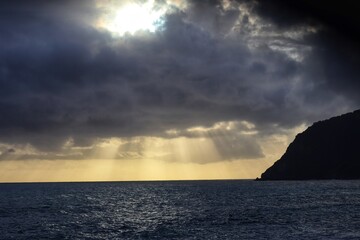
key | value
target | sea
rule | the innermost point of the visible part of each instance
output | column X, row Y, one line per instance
column 237, row 209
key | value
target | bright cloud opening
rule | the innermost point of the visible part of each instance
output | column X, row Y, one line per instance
column 132, row 17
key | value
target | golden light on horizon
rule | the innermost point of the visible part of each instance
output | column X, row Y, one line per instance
column 152, row 158
column 113, row 170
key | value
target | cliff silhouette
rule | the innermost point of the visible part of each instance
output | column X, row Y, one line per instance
column 329, row 149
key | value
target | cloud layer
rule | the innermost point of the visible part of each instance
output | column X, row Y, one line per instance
column 62, row 77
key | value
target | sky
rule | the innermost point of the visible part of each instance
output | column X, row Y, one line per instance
column 168, row 89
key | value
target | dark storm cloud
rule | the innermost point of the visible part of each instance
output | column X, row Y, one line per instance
column 60, row 77
column 341, row 17
column 335, row 47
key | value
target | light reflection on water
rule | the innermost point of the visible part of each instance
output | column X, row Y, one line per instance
column 181, row 210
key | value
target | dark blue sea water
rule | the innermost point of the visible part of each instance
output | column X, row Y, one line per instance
column 181, row 210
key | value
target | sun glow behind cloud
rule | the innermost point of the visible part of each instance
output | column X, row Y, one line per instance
column 129, row 17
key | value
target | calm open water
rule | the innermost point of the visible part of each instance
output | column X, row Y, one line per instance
column 181, row 210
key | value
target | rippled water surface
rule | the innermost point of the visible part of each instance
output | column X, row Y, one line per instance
column 181, row 210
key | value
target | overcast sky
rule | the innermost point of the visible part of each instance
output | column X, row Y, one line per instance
column 77, row 74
